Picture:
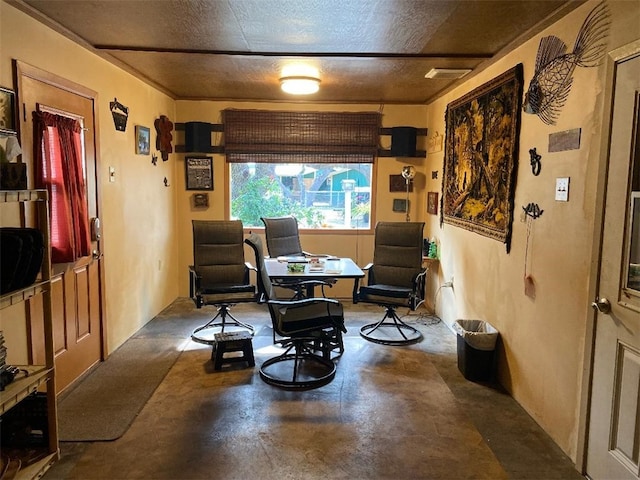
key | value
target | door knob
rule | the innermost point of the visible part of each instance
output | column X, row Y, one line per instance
column 602, row 305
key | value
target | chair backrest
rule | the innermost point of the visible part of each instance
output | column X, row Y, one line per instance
column 218, row 252
column 283, row 238
column 397, row 255
column 265, row 287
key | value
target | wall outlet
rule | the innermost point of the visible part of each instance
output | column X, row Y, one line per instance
column 562, row 189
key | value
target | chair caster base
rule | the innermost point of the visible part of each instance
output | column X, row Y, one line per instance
column 227, row 324
column 211, row 330
column 292, row 371
column 407, row 334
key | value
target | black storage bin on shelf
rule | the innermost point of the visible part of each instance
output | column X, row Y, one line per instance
column 22, row 251
column 476, row 341
column 26, row 425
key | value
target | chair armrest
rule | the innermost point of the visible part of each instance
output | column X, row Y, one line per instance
column 194, row 286
column 367, row 267
column 419, row 284
column 250, row 267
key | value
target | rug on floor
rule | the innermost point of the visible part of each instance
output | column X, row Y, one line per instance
column 102, row 406
column 105, row 403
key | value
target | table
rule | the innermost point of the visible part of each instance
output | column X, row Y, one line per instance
column 334, row 268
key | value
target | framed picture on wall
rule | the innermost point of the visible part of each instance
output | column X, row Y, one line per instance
column 7, row 111
column 432, row 203
column 397, row 183
column 399, row 205
column 199, row 173
column 143, row 140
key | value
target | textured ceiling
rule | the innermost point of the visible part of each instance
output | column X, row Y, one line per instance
column 366, row 51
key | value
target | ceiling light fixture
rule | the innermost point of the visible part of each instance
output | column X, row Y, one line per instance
column 299, row 85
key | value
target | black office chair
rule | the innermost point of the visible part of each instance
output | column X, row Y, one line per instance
column 395, row 279
column 306, row 326
column 219, row 276
column 283, row 240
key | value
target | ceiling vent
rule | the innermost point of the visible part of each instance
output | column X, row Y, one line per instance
column 447, row 73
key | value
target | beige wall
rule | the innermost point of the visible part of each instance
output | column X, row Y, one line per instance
column 147, row 227
column 541, row 357
column 138, row 211
column 359, row 247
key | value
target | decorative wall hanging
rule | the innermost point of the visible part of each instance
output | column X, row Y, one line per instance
column 434, row 144
column 397, row 183
column 533, row 210
column 143, row 140
column 199, row 173
column 566, row 140
column 201, row 200
column 120, row 114
column 536, row 166
column 432, row 203
column 529, row 282
column 551, row 82
column 164, row 127
column 400, row 205
column 434, row 174
column 7, row 111
column 481, row 157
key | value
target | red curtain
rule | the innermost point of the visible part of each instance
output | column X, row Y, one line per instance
column 59, row 169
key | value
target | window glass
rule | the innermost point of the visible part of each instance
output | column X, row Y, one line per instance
column 319, row 195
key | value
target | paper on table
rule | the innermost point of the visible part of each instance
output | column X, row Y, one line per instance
column 293, row 259
column 333, row 271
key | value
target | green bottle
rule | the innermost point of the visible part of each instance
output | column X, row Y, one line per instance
column 433, row 249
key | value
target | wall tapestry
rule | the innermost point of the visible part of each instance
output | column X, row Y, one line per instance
column 551, row 82
column 481, row 157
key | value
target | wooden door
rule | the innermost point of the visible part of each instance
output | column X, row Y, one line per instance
column 614, row 430
column 76, row 287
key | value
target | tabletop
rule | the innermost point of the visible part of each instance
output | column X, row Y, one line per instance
column 325, row 268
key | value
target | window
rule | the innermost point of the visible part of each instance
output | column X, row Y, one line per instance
column 319, row 195
column 60, row 169
column 316, row 166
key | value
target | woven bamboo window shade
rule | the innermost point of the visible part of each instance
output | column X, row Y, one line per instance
column 266, row 136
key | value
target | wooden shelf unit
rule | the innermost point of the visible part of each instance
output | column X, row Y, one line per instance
column 35, row 378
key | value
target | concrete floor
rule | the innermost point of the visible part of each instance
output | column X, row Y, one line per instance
column 391, row 412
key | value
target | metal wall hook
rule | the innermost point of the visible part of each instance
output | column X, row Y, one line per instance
column 536, row 166
column 533, row 210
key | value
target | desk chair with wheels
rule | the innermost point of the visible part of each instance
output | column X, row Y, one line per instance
column 395, row 279
column 219, row 276
column 304, row 325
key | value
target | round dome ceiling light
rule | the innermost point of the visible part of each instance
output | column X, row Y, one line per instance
column 299, row 85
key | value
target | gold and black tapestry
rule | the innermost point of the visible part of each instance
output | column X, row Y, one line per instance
column 481, row 157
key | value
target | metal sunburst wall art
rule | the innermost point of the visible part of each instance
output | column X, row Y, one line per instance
column 551, row 82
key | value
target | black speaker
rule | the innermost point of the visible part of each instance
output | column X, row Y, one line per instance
column 403, row 141
column 197, row 137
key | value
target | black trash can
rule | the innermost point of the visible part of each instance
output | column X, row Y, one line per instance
column 476, row 348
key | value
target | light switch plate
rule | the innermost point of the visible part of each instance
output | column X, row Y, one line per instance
column 112, row 174
column 562, row 189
